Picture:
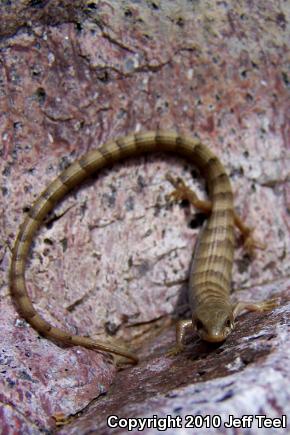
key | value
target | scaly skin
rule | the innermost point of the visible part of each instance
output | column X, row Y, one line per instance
column 212, row 312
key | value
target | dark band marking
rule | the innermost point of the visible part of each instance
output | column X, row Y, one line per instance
column 209, row 294
column 179, row 141
column 139, row 140
column 211, row 163
column 228, row 194
column 198, row 149
column 226, row 242
column 17, row 275
column 214, row 273
column 83, row 162
column 17, row 291
column 64, row 177
column 222, row 213
column 216, row 259
column 161, row 138
column 220, row 177
column 208, row 285
column 219, row 229
column 28, row 310
column 107, row 154
column 122, row 144
column 22, row 237
column 47, row 194
column 34, row 213
column 45, row 326
column 158, row 136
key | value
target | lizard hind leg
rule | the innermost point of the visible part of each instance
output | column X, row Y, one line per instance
column 249, row 241
column 183, row 192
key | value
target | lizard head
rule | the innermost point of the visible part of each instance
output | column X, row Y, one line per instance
column 213, row 323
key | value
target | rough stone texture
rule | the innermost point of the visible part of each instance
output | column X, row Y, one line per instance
column 23, row 15
column 114, row 257
column 38, row 382
column 247, row 375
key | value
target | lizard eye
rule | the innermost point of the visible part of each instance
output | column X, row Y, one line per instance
column 228, row 323
column 199, row 324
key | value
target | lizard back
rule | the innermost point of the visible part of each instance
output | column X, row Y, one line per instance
column 211, row 271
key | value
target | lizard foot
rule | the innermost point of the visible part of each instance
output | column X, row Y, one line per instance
column 250, row 244
column 269, row 304
column 180, row 192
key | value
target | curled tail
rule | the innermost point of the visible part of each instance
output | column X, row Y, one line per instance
column 90, row 163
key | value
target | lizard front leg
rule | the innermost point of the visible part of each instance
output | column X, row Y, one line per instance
column 181, row 327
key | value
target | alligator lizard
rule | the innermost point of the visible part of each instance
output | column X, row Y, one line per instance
column 213, row 314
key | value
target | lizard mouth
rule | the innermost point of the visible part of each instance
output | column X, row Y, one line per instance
column 213, row 338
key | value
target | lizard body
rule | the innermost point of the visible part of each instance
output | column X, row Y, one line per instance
column 209, row 289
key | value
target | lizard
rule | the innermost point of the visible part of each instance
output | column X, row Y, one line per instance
column 213, row 314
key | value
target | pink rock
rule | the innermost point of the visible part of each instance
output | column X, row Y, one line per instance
column 113, row 258
column 244, row 376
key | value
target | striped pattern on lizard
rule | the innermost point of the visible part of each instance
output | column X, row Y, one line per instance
column 213, row 314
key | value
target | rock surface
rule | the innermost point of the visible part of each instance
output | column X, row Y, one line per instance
column 113, row 257
column 247, row 375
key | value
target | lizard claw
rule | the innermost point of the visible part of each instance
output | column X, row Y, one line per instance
column 61, row 419
column 175, row 350
column 181, row 191
column 269, row 304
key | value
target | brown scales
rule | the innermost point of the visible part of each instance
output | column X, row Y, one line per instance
column 212, row 313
